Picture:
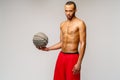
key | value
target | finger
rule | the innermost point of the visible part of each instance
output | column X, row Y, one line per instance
column 75, row 71
column 37, row 47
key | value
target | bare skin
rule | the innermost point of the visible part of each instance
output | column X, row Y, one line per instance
column 72, row 33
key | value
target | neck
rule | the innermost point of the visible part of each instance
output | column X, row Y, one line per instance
column 71, row 18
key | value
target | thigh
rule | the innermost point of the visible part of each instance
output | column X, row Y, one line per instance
column 70, row 62
column 59, row 73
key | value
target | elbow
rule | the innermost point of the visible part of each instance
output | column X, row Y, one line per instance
column 83, row 44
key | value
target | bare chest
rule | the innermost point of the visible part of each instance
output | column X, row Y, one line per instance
column 70, row 29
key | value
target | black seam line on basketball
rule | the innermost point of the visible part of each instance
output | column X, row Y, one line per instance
column 38, row 36
column 41, row 37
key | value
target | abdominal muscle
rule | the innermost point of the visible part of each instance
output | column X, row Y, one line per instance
column 70, row 48
column 70, row 45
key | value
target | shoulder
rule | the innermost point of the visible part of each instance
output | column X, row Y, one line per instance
column 81, row 23
column 62, row 24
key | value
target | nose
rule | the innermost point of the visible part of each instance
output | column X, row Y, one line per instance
column 67, row 12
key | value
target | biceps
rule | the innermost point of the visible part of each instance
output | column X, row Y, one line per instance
column 83, row 36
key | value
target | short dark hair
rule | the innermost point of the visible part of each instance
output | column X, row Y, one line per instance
column 71, row 2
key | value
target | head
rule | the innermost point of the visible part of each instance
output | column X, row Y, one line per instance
column 70, row 9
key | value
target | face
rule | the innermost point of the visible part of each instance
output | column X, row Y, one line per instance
column 70, row 11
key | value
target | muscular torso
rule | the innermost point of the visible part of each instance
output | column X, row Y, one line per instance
column 70, row 36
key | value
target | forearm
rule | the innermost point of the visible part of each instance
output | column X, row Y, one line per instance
column 55, row 47
column 82, row 52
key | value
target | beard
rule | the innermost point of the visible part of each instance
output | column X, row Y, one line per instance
column 69, row 17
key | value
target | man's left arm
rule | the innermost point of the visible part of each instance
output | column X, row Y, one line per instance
column 82, row 36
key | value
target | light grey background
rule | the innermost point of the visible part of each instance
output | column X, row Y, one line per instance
column 21, row 19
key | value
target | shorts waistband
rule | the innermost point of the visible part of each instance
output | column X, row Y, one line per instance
column 70, row 52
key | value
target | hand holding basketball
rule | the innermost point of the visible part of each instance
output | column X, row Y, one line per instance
column 43, row 48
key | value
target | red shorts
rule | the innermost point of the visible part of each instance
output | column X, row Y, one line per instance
column 64, row 66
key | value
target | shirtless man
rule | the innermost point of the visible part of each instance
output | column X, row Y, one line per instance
column 72, row 33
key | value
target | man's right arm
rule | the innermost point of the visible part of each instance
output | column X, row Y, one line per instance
column 55, row 47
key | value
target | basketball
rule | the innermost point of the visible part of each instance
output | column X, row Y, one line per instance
column 40, row 39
